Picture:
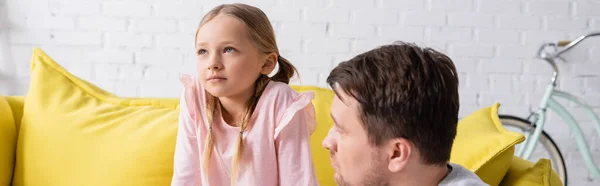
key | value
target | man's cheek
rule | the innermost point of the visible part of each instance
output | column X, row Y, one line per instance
column 352, row 153
column 348, row 157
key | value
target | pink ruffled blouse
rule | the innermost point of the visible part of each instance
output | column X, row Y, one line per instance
column 276, row 143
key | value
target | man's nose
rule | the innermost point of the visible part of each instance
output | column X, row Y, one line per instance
column 329, row 142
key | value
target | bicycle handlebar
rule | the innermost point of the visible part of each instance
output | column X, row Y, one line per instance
column 563, row 43
column 568, row 46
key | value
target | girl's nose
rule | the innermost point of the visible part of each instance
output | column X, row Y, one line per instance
column 215, row 63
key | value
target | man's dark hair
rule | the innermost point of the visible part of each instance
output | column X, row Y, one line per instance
column 404, row 91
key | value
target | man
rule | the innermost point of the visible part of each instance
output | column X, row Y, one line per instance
column 395, row 114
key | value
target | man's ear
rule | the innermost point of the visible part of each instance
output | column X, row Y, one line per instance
column 269, row 64
column 399, row 152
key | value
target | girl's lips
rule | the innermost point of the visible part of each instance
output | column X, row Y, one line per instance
column 216, row 79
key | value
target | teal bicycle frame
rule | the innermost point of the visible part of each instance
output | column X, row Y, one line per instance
column 538, row 117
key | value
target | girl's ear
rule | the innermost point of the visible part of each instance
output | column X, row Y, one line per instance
column 269, row 64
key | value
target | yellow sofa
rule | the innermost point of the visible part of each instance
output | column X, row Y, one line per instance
column 66, row 131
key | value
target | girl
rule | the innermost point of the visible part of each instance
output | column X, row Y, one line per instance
column 237, row 125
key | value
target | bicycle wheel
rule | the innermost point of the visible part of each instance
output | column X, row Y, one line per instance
column 549, row 151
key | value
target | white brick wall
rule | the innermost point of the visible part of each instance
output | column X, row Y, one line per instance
column 138, row 47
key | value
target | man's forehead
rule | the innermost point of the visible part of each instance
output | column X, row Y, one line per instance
column 345, row 111
column 343, row 104
column 341, row 95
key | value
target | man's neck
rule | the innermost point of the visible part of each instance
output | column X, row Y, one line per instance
column 420, row 174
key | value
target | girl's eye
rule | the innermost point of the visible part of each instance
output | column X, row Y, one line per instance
column 229, row 49
column 202, row 51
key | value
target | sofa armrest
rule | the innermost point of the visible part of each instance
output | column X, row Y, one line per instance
column 16, row 105
column 8, row 142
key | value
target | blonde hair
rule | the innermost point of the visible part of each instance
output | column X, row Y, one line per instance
column 263, row 37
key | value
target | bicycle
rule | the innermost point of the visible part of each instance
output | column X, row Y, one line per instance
column 533, row 126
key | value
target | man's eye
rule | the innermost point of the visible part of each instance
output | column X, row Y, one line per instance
column 338, row 129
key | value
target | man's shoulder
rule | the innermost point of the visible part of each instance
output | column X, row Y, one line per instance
column 460, row 176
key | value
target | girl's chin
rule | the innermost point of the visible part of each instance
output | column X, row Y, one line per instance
column 216, row 93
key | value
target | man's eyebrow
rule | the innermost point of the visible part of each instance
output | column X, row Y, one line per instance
column 335, row 122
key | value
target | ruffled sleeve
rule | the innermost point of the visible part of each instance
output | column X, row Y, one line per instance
column 186, row 166
column 301, row 103
column 193, row 125
column 292, row 141
column 195, row 98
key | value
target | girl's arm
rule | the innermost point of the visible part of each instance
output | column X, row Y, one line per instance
column 186, row 167
column 295, row 160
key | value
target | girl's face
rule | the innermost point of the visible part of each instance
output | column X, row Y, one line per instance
column 228, row 62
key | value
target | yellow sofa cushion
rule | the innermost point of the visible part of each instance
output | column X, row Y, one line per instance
column 525, row 173
column 8, row 140
column 74, row 133
column 483, row 146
